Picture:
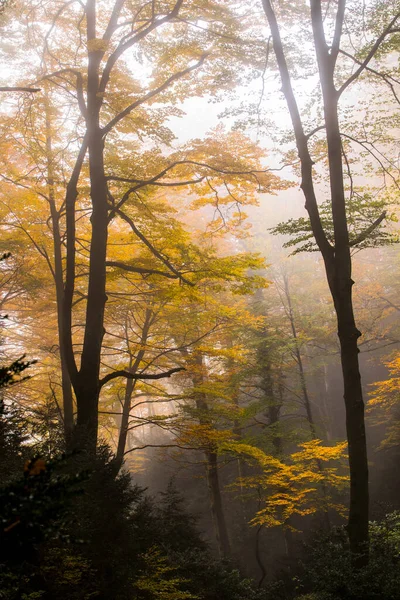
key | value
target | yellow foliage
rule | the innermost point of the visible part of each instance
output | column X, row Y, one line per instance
column 299, row 486
column 384, row 402
column 96, row 44
column 203, row 436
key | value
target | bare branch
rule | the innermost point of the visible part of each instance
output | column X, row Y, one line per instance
column 162, row 446
column 140, row 270
column 338, row 31
column 19, row 89
column 387, row 31
column 140, row 376
column 314, row 131
column 113, row 22
column 154, row 181
column 79, row 85
column 373, row 151
column 391, row 304
column 386, row 78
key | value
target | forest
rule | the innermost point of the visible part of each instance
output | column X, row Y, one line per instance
column 199, row 321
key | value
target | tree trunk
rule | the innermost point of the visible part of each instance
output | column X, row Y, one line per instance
column 68, row 405
column 274, row 405
column 337, row 258
column 340, row 283
column 130, row 386
column 87, row 387
column 355, row 423
column 123, row 431
column 325, row 397
column 217, row 511
column 299, row 360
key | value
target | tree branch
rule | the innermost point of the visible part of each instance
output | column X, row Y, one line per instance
column 363, row 236
column 306, row 161
column 162, row 446
column 140, row 270
column 19, row 89
column 131, row 41
column 338, row 31
column 107, row 128
column 383, row 76
column 152, row 249
column 140, row 376
column 391, row 304
column 70, row 267
column 113, row 22
column 388, row 30
column 153, row 181
column 79, row 86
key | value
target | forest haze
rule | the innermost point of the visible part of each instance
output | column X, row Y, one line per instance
column 199, row 309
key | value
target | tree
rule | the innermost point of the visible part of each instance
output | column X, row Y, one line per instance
column 296, row 486
column 93, row 92
column 335, row 245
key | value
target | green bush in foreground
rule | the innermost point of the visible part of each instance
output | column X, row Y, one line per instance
column 327, row 572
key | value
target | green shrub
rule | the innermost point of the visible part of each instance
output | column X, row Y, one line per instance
column 327, row 572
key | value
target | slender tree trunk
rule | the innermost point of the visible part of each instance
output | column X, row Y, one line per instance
column 337, row 258
column 123, row 431
column 264, row 362
column 68, row 406
column 273, row 415
column 325, row 396
column 274, row 404
column 299, row 360
column 217, row 511
column 237, row 431
column 212, row 472
column 304, row 388
column 130, row 386
column 258, row 556
column 355, row 421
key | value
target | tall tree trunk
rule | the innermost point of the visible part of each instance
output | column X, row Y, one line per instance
column 85, row 379
column 337, row 259
column 274, row 404
column 123, row 431
column 212, row 472
column 325, row 396
column 68, row 405
column 355, row 420
column 273, row 415
column 86, row 386
column 217, row 511
column 299, row 360
column 341, row 284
